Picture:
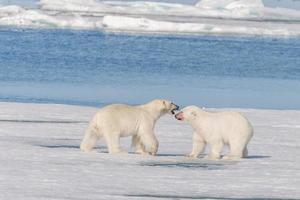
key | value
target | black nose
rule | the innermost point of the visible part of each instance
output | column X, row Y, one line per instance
column 176, row 107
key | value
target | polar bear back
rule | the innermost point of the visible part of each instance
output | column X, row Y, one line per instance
column 121, row 118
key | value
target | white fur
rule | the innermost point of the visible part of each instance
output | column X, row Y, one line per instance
column 119, row 120
column 218, row 129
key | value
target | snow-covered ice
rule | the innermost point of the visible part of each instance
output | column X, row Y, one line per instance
column 18, row 16
column 40, row 159
column 131, row 24
column 229, row 4
column 205, row 17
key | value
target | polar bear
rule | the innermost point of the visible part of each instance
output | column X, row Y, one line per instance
column 217, row 129
column 120, row 120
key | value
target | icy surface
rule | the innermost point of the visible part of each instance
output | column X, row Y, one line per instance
column 40, row 159
column 229, row 4
column 120, row 23
column 205, row 17
column 18, row 16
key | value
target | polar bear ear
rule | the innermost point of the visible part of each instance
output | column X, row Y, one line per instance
column 165, row 104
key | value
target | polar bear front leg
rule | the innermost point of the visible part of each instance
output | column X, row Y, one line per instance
column 216, row 149
column 245, row 152
column 138, row 145
column 113, row 143
column 198, row 146
column 149, row 140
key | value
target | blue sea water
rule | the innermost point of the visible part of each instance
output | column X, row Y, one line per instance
column 97, row 68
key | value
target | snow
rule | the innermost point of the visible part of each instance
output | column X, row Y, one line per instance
column 18, row 16
column 131, row 24
column 229, row 4
column 241, row 9
column 40, row 159
column 205, row 17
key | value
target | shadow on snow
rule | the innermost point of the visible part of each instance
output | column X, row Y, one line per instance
column 198, row 197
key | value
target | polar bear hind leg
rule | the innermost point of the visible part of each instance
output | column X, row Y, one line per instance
column 236, row 152
column 245, row 152
column 90, row 138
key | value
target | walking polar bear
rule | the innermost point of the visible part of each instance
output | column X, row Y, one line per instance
column 217, row 129
column 119, row 120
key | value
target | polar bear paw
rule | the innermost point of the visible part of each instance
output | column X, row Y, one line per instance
column 191, row 156
column 212, row 157
column 154, row 149
column 153, row 153
column 142, row 152
column 230, row 157
column 118, row 151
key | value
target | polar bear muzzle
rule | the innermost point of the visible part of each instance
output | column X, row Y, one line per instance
column 175, row 107
column 179, row 116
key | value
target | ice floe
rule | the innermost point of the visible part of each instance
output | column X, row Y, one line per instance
column 239, row 17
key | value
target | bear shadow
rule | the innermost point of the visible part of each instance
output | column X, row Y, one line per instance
column 169, row 155
column 163, row 196
column 198, row 164
column 257, row 157
column 100, row 149
column 60, row 143
column 58, row 146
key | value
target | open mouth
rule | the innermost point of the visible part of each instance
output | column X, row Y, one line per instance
column 176, row 108
column 179, row 116
column 173, row 111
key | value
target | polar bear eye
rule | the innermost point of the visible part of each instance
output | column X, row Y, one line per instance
column 194, row 114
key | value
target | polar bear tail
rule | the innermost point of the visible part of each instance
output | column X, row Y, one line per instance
column 90, row 138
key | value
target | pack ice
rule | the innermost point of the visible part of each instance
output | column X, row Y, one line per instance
column 217, row 17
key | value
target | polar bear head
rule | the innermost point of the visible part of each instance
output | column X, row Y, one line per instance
column 169, row 107
column 163, row 106
column 188, row 114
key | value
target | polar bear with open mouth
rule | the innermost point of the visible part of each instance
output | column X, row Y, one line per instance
column 120, row 120
column 217, row 129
